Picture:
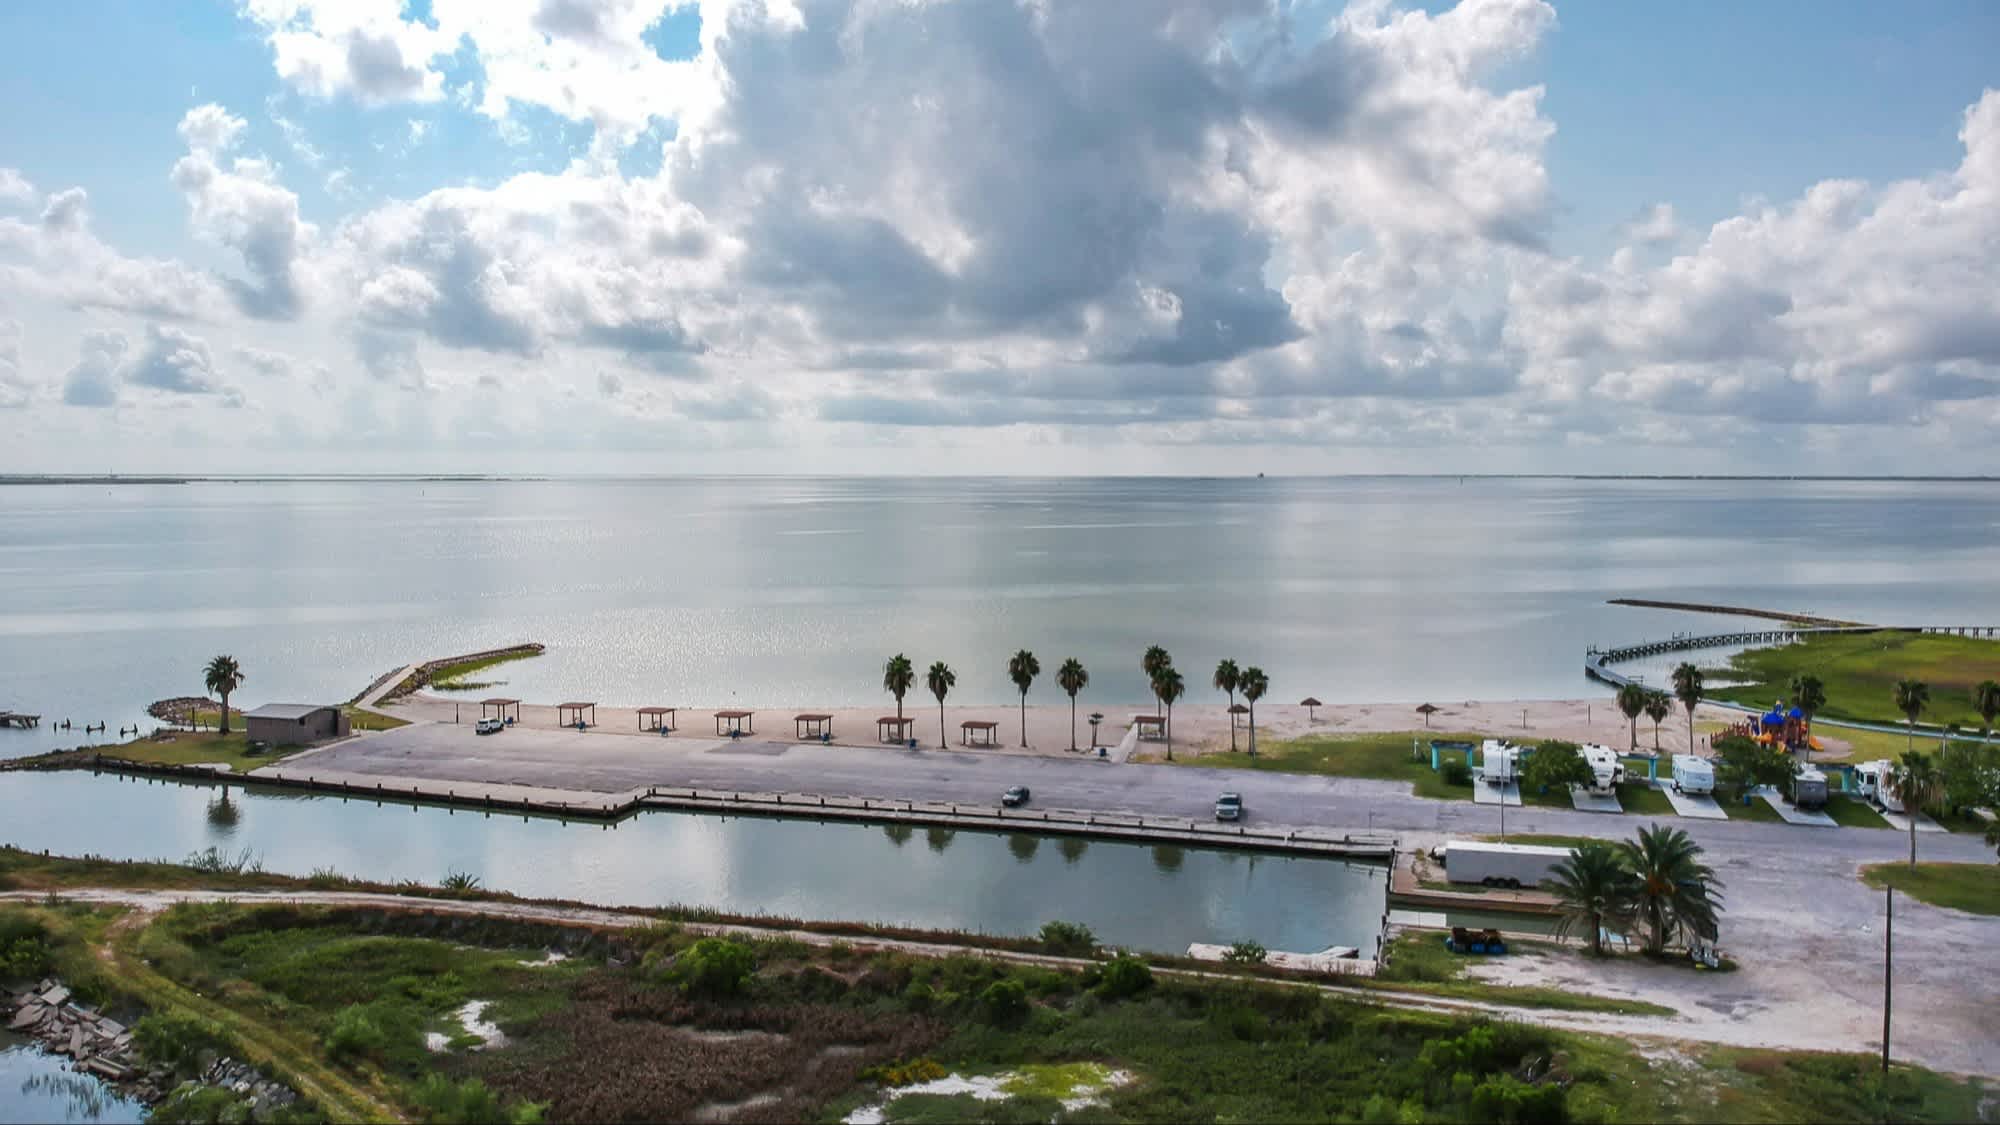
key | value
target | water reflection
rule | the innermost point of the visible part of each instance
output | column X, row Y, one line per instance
column 899, row 834
column 939, row 838
column 1072, row 848
column 38, row 1086
column 1024, row 846
column 1169, row 857
column 223, row 813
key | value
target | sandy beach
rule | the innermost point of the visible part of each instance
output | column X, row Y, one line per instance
column 1198, row 729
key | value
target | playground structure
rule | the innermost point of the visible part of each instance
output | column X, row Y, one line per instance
column 1783, row 727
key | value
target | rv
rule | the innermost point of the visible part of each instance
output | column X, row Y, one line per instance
column 1500, row 865
column 1606, row 768
column 1693, row 774
column 1873, row 780
column 1498, row 762
column 1809, row 788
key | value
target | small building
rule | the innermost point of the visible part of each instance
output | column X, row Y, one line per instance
column 294, row 724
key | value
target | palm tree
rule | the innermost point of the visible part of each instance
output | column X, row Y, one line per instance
column 1167, row 689
column 1912, row 696
column 1253, row 684
column 1918, row 784
column 1809, row 696
column 1986, row 701
column 1153, row 663
column 223, row 676
column 1632, row 701
column 1658, row 707
column 1022, row 668
column 1673, row 890
column 1687, row 689
column 1594, row 888
column 1072, row 679
column 897, row 676
column 1226, row 679
column 941, row 680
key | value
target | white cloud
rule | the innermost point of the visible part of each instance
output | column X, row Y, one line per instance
column 94, row 380
column 16, row 389
column 15, row 188
column 244, row 208
column 359, row 47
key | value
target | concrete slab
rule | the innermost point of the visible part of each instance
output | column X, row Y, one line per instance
column 1700, row 806
column 1901, row 822
column 1792, row 813
column 1484, row 794
column 1587, row 801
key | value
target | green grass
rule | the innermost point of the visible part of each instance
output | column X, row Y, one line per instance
column 199, row 748
column 1961, row 820
column 1382, row 756
column 1545, row 839
column 1852, row 812
column 1758, row 810
column 358, row 719
column 452, row 677
column 1860, row 673
column 1971, row 887
column 1644, row 800
column 1419, row 962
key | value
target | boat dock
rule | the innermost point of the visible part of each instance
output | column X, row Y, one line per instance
column 17, row 719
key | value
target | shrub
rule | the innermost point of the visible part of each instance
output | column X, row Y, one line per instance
column 460, row 882
column 1068, row 937
column 1556, row 765
column 174, row 1039
column 24, row 947
column 471, row 1102
column 1246, row 953
column 713, row 967
column 1124, row 976
column 905, row 1073
column 213, row 862
column 1510, row 1101
column 355, row 1032
column 192, row 1104
column 919, row 997
column 1004, row 1000
column 1456, row 772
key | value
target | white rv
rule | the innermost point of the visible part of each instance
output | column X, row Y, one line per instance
column 1499, row 762
column 1606, row 767
column 1873, row 780
column 1693, row 774
column 1809, row 788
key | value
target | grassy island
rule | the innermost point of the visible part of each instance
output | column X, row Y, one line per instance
column 1860, row 671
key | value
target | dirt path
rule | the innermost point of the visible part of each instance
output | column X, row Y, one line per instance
column 1697, row 1021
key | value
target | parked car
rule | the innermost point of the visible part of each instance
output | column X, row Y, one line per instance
column 1229, row 806
column 489, row 726
column 1015, row 796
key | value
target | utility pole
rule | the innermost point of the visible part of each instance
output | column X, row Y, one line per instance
column 1888, row 965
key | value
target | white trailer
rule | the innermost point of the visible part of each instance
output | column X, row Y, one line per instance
column 1606, row 767
column 1873, row 780
column 1809, row 788
column 1693, row 774
column 1500, row 865
column 1499, row 762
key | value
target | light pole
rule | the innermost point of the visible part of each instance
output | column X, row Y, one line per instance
column 1888, row 965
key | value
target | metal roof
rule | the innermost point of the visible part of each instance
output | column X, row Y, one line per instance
column 288, row 711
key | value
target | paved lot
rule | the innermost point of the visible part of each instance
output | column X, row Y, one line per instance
column 1587, row 801
column 1698, row 805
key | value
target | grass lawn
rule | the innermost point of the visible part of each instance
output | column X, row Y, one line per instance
column 1852, row 812
column 1758, row 809
column 1971, row 887
column 1383, row 756
column 1964, row 820
column 1860, row 673
column 370, row 720
column 200, row 748
column 1544, row 839
column 1644, row 800
column 453, row 677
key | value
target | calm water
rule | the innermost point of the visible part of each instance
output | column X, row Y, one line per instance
column 1150, row 898
column 38, row 1087
column 782, row 592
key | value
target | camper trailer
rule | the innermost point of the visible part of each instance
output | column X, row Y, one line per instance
column 1499, row 762
column 1809, row 789
column 1606, row 768
column 1500, row 865
column 1693, row 774
column 1873, row 780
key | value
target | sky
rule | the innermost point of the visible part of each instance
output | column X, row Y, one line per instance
column 999, row 236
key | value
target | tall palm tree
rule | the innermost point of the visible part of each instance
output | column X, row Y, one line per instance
column 1912, row 696
column 1072, row 679
column 1152, row 664
column 1687, row 689
column 1809, row 696
column 1918, row 784
column 1674, row 892
column 897, row 676
column 1253, row 684
column 1986, row 701
column 1226, row 679
column 1658, row 707
column 223, row 676
column 1596, row 892
column 1022, row 668
column 941, row 680
column 1632, row 701
column 1168, row 688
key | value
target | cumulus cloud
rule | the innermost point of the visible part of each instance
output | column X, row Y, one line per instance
column 177, row 362
column 244, row 208
column 362, row 48
column 15, row 188
column 93, row 381
column 15, row 388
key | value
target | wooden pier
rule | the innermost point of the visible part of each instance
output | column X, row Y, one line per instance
column 16, row 719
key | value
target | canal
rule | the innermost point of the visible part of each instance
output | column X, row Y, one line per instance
column 38, row 1086
column 1159, row 898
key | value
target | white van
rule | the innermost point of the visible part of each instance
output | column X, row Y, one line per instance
column 1606, row 767
column 1693, row 774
